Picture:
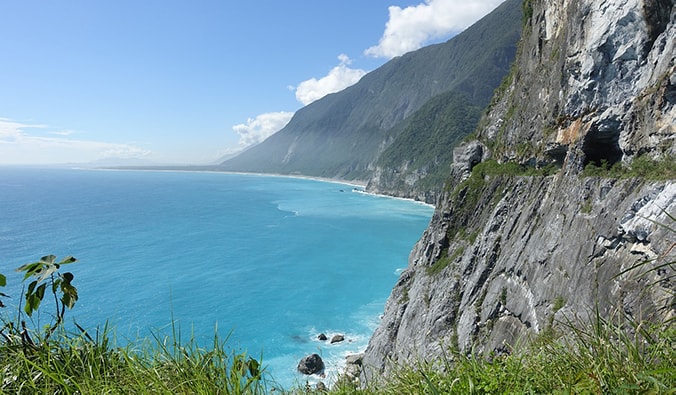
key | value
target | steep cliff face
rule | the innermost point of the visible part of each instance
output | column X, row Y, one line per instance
column 416, row 164
column 521, row 238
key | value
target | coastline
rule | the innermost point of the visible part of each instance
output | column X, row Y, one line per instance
column 338, row 367
column 350, row 183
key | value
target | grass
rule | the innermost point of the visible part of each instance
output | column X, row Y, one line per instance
column 77, row 363
column 444, row 261
column 610, row 355
column 597, row 358
column 615, row 355
column 641, row 167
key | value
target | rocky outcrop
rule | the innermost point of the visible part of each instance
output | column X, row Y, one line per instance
column 353, row 367
column 311, row 364
column 507, row 254
column 593, row 82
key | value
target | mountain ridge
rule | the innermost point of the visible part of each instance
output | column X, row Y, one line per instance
column 343, row 134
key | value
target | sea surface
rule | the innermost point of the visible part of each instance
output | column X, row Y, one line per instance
column 266, row 262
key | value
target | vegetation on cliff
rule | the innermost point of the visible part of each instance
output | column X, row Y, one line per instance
column 597, row 358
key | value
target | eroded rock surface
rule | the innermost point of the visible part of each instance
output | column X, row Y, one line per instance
column 506, row 256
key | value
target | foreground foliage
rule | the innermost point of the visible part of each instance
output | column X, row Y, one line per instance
column 617, row 355
column 78, row 364
column 596, row 359
column 55, row 361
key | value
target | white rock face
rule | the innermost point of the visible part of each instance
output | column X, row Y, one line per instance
column 503, row 260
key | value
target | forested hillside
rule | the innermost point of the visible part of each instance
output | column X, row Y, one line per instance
column 344, row 134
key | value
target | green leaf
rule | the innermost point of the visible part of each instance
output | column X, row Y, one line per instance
column 254, row 367
column 30, row 269
column 67, row 301
column 3, row 280
column 67, row 277
column 55, row 285
column 69, row 295
column 67, row 260
column 27, row 308
column 40, row 291
column 34, row 297
column 46, row 272
column 32, row 304
column 31, row 288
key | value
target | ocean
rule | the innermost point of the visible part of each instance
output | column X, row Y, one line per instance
column 267, row 262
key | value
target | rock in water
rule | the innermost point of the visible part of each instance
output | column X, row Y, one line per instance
column 322, row 337
column 337, row 339
column 311, row 364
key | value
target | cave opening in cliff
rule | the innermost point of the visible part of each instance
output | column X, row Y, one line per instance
column 602, row 148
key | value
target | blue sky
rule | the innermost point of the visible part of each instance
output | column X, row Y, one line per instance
column 186, row 82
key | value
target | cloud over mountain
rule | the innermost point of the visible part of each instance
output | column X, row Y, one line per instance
column 258, row 129
column 412, row 27
column 338, row 78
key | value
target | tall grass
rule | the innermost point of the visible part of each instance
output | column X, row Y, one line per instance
column 604, row 357
column 77, row 363
column 615, row 355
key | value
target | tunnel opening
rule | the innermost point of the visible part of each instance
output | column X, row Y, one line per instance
column 602, row 148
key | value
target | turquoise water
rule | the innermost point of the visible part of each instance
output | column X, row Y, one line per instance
column 270, row 261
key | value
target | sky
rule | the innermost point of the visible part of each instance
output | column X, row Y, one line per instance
column 187, row 82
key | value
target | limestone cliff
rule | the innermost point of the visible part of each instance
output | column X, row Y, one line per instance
column 522, row 237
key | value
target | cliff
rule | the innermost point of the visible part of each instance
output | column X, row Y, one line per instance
column 524, row 237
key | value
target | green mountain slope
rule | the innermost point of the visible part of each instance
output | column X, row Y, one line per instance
column 417, row 163
column 343, row 134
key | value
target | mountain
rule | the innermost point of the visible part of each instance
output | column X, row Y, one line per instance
column 417, row 162
column 568, row 183
column 343, row 134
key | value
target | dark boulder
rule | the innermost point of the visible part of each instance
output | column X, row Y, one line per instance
column 311, row 364
column 322, row 337
column 337, row 339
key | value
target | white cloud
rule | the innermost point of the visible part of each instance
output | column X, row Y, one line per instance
column 19, row 146
column 62, row 133
column 13, row 131
column 412, row 27
column 339, row 78
column 263, row 126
